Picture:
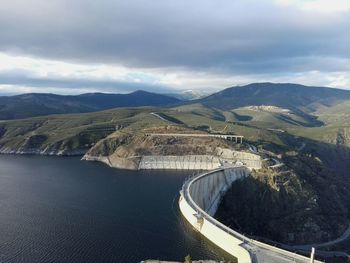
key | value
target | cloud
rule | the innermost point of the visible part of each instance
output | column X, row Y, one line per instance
column 164, row 42
column 324, row 6
column 73, row 85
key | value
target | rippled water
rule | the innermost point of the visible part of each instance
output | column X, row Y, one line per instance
column 56, row 209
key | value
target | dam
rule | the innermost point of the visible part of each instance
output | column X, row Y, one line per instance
column 198, row 202
column 200, row 162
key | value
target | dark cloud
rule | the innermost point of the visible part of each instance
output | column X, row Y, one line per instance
column 27, row 79
column 238, row 36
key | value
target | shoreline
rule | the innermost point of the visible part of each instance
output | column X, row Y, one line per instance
column 45, row 155
column 304, row 247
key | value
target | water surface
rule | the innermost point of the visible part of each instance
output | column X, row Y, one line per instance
column 56, row 209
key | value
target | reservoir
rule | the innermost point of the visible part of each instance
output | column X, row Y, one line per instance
column 61, row 209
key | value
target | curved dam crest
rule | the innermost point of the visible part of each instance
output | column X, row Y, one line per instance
column 199, row 200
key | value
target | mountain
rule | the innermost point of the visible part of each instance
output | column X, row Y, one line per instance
column 39, row 104
column 289, row 96
column 189, row 95
column 305, row 128
column 301, row 100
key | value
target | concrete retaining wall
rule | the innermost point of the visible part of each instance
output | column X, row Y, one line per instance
column 201, row 162
column 186, row 162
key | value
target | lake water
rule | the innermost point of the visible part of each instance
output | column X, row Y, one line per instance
column 57, row 209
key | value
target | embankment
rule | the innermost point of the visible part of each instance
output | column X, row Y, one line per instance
column 46, row 151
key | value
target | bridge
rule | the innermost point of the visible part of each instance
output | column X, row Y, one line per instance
column 199, row 199
column 229, row 137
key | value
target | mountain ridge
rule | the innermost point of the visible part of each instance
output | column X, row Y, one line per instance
column 286, row 95
column 302, row 100
column 39, row 104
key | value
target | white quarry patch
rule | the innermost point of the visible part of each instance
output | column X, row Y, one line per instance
column 267, row 108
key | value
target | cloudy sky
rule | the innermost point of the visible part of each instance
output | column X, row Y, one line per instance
column 69, row 47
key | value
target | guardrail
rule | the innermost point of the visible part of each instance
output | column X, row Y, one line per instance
column 185, row 193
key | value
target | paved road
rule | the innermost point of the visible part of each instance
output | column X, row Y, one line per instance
column 343, row 237
column 160, row 117
column 302, row 146
column 264, row 255
column 277, row 163
column 196, row 135
column 252, row 148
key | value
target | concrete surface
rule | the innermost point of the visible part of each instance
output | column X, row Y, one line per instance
column 198, row 202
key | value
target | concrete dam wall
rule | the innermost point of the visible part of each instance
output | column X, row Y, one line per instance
column 199, row 200
column 208, row 191
column 201, row 162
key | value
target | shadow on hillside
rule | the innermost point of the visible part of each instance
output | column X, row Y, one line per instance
column 311, row 207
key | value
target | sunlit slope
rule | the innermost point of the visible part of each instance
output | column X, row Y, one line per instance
column 290, row 96
column 70, row 132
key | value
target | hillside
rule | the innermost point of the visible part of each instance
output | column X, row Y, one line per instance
column 316, row 158
column 68, row 134
column 290, row 96
column 39, row 104
column 311, row 139
column 304, row 204
column 124, row 149
column 303, row 101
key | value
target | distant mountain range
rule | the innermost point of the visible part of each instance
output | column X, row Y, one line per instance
column 298, row 98
column 189, row 95
column 38, row 104
column 290, row 96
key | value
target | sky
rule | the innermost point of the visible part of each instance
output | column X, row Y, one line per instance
column 71, row 47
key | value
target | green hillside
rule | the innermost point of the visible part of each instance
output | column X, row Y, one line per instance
column 311, row 140
column 39, row 104
column 68, row 134
column 284, row 95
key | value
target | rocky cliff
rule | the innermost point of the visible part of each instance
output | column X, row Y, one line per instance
column 124, row 149
column 304, row 203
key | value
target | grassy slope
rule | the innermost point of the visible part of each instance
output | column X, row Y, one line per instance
column 323, row 145
column 319, row 171
column 71, row 131
column 291, row 96
column 37, row 104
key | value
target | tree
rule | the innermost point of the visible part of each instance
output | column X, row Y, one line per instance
column 188, row 259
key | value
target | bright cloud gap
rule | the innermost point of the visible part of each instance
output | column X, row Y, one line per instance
column 165, row 46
